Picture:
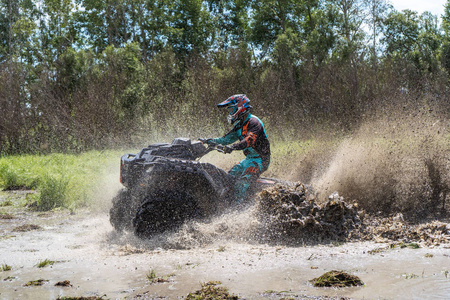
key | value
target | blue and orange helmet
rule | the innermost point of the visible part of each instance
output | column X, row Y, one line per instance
column 238, row 106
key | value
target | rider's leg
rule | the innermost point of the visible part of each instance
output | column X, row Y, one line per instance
column 247, row 171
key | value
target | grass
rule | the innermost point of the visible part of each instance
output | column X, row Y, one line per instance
column 38, row 282
column 151, row 275
column 45, row 263
column 153, row 278
column 60, row 180
column 338, row 279
column 7, row 202
column 211, row 290
column 5, row 268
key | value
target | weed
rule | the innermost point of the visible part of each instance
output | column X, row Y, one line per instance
column 429, row 255
column 36, row 282
column 211, row 290
column 410, row 276
column 5, row 267
column 81, row 298
column 337, row 279
column 413, row 246
column 45, row 263
column 151, row 275
column 221, row 249
column 402, row 245
column 27, row 227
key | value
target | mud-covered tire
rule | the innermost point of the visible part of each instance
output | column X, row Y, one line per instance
column 164, row 211
column 122, row 211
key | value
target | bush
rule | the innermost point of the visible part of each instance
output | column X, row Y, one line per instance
column 53, row 193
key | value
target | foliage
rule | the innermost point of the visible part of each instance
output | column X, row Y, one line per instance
column 78, row 75
column 211, row 290
column 61, row 180
column 44, row 263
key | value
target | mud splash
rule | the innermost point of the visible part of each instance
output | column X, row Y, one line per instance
column 289, row 215
column 99, row 262
column 392, row 164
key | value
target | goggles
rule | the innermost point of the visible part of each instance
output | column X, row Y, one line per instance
column 232, row 109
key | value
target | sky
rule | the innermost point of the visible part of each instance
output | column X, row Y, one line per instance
column 436, row 7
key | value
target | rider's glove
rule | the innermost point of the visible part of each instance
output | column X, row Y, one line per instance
column 228, row 149
column 207, row 141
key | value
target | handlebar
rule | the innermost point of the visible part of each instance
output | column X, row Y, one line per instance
column 212, row 145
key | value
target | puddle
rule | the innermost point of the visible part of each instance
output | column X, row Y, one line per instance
column 94, row 260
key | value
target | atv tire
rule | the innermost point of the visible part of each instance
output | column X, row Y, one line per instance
column 122, row 212
column 164, row 211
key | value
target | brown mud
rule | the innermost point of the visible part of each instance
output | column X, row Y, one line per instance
column 99, row 262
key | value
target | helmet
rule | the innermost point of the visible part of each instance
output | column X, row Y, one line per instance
column 237, row 105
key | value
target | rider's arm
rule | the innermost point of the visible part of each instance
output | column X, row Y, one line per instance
column 228, row 138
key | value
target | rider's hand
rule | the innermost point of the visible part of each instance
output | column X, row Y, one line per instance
column 207, row 141
column 227, row 149
column 210, row 142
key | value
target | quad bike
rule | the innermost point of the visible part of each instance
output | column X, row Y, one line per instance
column 166, row 185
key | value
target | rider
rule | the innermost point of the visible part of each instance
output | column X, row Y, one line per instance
column 250, row 132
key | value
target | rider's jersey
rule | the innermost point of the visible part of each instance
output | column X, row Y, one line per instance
column 252, row 138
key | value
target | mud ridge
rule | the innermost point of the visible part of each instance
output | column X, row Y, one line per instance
column 291, row 215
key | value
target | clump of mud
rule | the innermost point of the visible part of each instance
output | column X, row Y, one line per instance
column 395, row 229
column 64, row 283
column 211, row 290
column 290, row 214
column 27, row 227
column 38, row 282
column 337, row 279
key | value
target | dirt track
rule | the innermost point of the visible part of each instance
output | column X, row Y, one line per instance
column 100, row 262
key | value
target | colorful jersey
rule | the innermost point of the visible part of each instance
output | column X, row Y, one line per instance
column 252, row 138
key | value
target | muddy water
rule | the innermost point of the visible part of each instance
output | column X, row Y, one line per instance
column 100, row 262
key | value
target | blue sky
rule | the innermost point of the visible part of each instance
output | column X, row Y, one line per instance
column 434, row 6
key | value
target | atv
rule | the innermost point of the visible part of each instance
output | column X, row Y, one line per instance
column 165, row 185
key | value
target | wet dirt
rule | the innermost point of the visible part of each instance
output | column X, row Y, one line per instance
column 98, row 261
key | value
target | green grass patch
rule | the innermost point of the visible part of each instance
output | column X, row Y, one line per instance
column 44, row 263
column 7, row 202
column 211, row 290
column 60, row 180
column 338, row 279
column 5, row 268
column 82, row 298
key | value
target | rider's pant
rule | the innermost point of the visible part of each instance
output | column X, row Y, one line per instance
column 247, row 172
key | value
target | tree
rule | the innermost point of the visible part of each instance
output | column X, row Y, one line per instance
column 192, row 28
column 378, row 10
column 413, row 39
column 272, row 18
column 445, row 51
